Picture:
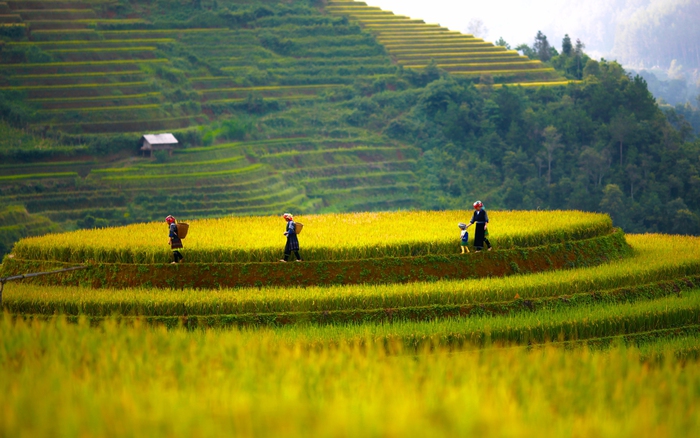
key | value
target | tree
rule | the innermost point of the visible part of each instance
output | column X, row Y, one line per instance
column 680, row 219
column 635, row 177
column 621, row 127
column 477, row 28
column 526, row 51
column 592, row 68
column 542, row 47
column 613, row 202
column 501, row 42
column 594, row 164
column 566, row 46
column 552, row 142
column 578, row 53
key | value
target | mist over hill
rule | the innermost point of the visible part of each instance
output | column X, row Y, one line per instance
column 657, row 37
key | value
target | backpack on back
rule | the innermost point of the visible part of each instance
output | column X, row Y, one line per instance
column 298, row 226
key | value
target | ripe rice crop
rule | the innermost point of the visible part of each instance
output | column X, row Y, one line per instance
column 103, row 49
column 255, row 238
column 536, row 84
column 81, row 74
column 191, row 163
column 130, row 380
column 657, row 258
column 93, row 98
column 57, row 87
column 240, row 144
column 91, row 21
column 88, row 42
column 392, row 46
column 39, row 176
column 74, row 63
column 264, row 88
column 519, row 65
column 448, row 49
column 100, row 108
column 504, row 72
column 270, row 98
column 185, row 175
column 130, row 125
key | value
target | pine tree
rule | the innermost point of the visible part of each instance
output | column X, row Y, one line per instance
column 542, row 47
column 566, row 46
column 578, row 52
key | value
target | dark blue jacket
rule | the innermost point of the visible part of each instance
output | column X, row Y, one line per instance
column 480, row 217
column 292, row 240
column 175, row 241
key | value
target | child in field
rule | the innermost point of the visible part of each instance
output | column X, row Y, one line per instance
column 464, row 235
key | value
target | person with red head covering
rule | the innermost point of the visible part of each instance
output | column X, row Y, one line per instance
column 481, row 219
column 292, row 239
column 174, row 240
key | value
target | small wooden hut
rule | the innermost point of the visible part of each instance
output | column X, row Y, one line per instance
column 158, row 142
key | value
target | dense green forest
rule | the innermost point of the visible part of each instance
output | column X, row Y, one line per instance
column 600, row 145
column 376, row 135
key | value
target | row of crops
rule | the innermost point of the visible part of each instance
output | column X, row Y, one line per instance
column 415, row 44
column 254, row 177
column 652, row 292
column 376, row 235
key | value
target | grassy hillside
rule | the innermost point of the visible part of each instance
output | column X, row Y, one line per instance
column 16, row 223
column 317, row 107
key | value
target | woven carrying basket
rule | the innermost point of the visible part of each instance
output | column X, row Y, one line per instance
column 298, row 226
column 182, row 229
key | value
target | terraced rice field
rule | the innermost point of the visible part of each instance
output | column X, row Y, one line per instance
column 87, row 61
column 622, row 332
column 401, row 235
column 414, row 44
column 648, row 293
column 255, row 177
column 95, row 81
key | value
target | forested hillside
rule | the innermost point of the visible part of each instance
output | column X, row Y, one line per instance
column 314, row 107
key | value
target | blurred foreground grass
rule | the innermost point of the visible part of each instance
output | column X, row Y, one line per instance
column 61, row 379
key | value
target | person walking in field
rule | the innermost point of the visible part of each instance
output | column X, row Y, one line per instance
column 292, row 239
column 481, row 219
column 464, row 236
column 174, row 239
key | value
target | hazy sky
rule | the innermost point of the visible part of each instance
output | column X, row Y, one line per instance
column 517, row 21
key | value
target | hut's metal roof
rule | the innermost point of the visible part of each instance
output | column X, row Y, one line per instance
column 160, row 138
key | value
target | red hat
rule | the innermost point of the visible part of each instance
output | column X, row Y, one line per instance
column 288, row 216
column 169, row 219
column 478, row 204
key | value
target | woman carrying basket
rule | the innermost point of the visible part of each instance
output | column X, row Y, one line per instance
column 292, row 240
column 174, row 239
